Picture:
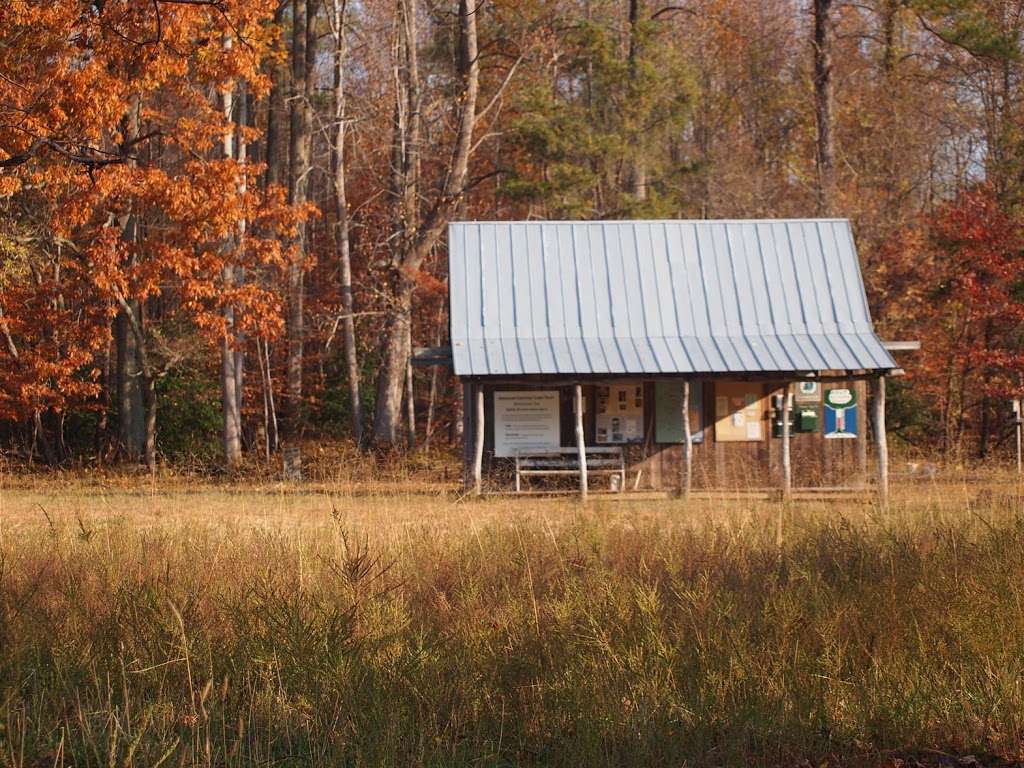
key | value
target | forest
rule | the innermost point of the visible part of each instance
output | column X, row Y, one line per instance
column 222, row 222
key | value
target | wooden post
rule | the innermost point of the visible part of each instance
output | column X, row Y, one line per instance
column 478, row 447
column 862, row 433
column 467, row 433
column 687, row 479
column 581, row 447
column 881, row 442
column 787, row 466
column 1018, row 428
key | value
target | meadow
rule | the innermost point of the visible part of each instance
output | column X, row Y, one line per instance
column 144, row 623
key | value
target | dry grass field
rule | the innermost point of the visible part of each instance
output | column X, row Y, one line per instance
column 147, row 623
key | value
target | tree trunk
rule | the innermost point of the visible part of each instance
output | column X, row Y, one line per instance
column 638, row 172
column 341, row 234
column 231, row 407
column 823, row 102
column 242, row 155
column 269, row 410
column 417, row 245
column 131, row 427
column 391, row 381
column 130, row 421
column 276, row 150
column 39, row 432
column 149, row 401
column 890, row 13
column 145, row 376
column 303, row 54
column 410, row 393
column 231, row 412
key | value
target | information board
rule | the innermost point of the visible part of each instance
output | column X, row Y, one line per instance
column 668, row 412
column 619, row 413
column 739, row 411
column 525, row 421
column 840, row 414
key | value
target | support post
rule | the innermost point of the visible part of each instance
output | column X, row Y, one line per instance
column 862, row 433
column 687, row 483
column 787, row 465
column 467, row 435
column 1018, row 428
column 581, row 447
column 881, row 441
column 478, row 446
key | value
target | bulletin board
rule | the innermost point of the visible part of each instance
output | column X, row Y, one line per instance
column 619, row 413
column 739, row 411
column 668, row 412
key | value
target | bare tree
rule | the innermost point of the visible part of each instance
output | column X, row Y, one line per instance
column 303, row 57
column 231, row 395
column 823, row 103
column 412, row 250
column 341, row 217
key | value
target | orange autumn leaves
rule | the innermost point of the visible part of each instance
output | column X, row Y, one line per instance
column 113, row 185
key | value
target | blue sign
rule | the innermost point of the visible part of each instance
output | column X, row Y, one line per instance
column 840, row 414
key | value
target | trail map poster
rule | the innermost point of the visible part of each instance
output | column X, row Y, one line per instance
column 525, row 421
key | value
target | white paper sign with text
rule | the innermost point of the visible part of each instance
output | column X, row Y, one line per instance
column 525, row 421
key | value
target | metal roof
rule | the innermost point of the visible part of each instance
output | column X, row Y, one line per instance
column 650, row 297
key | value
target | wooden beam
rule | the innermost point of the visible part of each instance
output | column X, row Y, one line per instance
column 901, row 346
column 787, row 466
column 881, row 441
column 687, row 479
column 478, row 448
column 581, row 447
column 432, row 356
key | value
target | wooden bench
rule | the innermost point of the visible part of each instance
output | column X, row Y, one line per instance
column 601, row 460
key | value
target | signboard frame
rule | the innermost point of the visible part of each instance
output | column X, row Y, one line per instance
column 526, row 420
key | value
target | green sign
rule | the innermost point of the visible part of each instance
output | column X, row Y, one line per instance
column 668, row 411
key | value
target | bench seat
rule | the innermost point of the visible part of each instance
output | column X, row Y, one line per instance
column 601, row 460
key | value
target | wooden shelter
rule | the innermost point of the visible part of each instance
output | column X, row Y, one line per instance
column 581, row 345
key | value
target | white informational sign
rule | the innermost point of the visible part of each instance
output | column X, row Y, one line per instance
column 620, row 413
column 525, row 421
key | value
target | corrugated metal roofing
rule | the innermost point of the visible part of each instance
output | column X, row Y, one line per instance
column 647, row 297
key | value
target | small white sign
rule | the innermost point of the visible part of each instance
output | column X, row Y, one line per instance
column 525, row 421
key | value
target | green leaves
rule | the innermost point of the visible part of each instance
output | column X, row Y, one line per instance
column 607, row 116
column 979, row 27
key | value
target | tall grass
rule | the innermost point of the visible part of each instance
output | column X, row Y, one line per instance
column 631, row 635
